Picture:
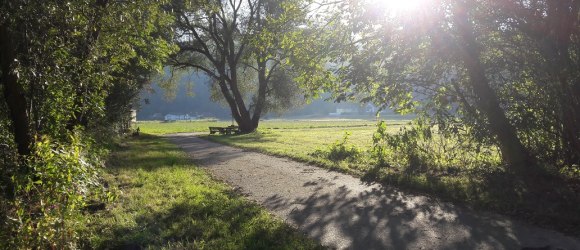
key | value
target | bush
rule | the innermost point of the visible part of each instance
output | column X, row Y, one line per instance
column 341, row 150
column 421, row 148
column 50, row 187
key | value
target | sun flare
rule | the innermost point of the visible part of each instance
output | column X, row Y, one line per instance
column 397, row 7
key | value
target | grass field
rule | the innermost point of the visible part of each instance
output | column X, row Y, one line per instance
column 303, row 140
column 297, row 139
column 302, row 143
column 164, row 201
column 158, row 128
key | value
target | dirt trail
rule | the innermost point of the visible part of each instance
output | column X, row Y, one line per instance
column 342, row 212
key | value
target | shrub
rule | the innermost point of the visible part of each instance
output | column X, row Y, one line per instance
column 50, row 187
column 341, row 150
column 421, row 148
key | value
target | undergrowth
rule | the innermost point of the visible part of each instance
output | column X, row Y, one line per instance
column 341, row 150
column 47, row 191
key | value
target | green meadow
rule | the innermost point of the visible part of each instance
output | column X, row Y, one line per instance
column 159, row 128
column 297, row 139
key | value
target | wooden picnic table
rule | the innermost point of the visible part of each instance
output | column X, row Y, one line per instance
column 224, row 130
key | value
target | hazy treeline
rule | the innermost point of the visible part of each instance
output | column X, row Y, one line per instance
column 193, row 96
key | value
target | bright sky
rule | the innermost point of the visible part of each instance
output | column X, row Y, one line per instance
column 399, row 7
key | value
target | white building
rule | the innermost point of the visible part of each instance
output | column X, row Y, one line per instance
column 171, row 117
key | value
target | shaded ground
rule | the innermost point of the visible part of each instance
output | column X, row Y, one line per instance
column 164, row 201
column 343, row 212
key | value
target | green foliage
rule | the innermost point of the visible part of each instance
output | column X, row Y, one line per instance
column 84, row 61
column 340, row 150
column 379, row 150
column 67, row 67
column 402, row 146
column 572, row 172
column 58, row 181
column 423, row 148
column 478, row 70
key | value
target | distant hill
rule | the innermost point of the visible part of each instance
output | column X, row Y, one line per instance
column 154, row 104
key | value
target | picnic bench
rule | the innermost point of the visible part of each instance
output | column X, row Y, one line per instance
column 224, row 130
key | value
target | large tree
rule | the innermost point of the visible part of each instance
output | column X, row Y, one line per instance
column 546, row 38
column 64, row 67
column 509, row 74
column 243, row 46
column 59, row 61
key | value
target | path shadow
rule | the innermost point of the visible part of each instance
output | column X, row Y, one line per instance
column 384, row 218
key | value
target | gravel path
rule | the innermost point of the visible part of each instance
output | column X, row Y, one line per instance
column 342, row 212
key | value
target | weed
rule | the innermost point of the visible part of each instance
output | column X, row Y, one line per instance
column 341, row 150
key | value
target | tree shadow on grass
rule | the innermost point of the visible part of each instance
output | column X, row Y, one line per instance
column 148, row 153
column 214, row 223
column 550, row 205
column 206, row 153
column 550, row 202
column 216, row 219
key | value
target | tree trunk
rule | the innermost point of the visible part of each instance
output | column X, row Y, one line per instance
column 562, row 20
column 14, row 94
column 570, row 127
column 262, row 87
column 244, row 121
column 555, row 32
column 247, row 126
column 244, row 118
column 513, row 151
